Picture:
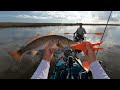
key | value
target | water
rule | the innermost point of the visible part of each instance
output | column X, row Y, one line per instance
column 14, row 38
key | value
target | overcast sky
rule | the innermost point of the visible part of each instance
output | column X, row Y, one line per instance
column 59, row 16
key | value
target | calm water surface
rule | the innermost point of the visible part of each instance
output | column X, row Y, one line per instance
column 14, row 38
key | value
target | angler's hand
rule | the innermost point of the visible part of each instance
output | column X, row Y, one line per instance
column 89, row 54
column 48, row 52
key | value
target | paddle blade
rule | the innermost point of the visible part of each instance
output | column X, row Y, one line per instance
column 98, row 33
column 50, row 33
column 68, row 33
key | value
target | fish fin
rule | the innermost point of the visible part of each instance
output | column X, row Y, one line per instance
column 33, row 38
column 33, row 53
column 60, row 46
column 17, row 55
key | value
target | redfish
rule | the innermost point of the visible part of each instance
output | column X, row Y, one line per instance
column 40, row 44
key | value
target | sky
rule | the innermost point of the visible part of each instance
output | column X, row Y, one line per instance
column 59, row 16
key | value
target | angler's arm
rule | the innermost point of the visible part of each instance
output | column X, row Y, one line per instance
column 42, row 70
column 85, row 31
column 97, row 71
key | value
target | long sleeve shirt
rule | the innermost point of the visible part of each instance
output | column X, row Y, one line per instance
column 97, row 71
column 42, row 70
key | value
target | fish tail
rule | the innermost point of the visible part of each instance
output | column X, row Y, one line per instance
column 17, row 55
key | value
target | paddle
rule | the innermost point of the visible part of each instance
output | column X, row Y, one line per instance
column 52, row 33
column 97, row 33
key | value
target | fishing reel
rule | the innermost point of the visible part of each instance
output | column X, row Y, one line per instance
column 69, row 55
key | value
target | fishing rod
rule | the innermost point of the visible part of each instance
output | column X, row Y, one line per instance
column 105, row 29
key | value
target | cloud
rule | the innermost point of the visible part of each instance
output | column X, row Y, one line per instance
column 103, row 16
column 68, row 15
column 72, row 16
column 63, row 16
column 32, row 17
column 115, row 17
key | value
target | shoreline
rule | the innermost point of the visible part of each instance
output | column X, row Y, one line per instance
column 14, row 24
column 21, row 24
